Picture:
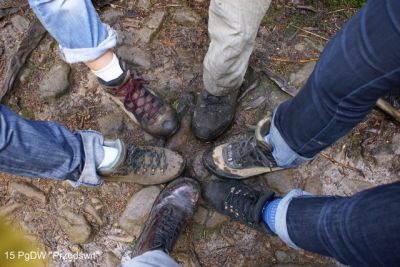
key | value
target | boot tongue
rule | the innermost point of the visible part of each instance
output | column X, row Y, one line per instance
column 261, row 131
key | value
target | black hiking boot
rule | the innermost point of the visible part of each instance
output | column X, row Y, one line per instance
column 213, row 115
column 171, row 210
column 244, row 158
column 238, row 201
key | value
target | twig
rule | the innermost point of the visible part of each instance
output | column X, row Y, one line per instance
column 308, row 8
column 300, row 61
column 342, row 164
column 317, row 35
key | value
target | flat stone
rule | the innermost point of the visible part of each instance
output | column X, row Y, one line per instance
column 186, row 16
column 300, row 47
column 138, row 209
column 281, row 181
column 216, row 219
column 152, row 26
column 111, row 125
column 74, row 225
column 299, row 78
column 111, row 260
column 200, row 216
column 198, row 169
column 283, row 257
column 112, row 16
column 396, row 144
column 20, row 23
column 29, row 191
column 135, row 55
column 56, row 82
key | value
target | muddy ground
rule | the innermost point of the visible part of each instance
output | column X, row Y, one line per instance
column 170, row 58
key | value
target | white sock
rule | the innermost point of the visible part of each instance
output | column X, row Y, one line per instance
column 110, row 155
column 111, row 71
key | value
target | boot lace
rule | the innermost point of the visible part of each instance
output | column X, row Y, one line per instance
column 240, row 203
column 247, row 152
column 140, row 160
column 170, row 227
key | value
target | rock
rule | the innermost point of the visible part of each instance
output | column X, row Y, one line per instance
column 29, row 191
column 314, row 185
column 111, row 260
column 74, row 225
column 152, row 26
column 216, row 219
column 135, row 55
column 25, row 73
column 198, row 169
column 93, row 212
column 281, row 181
column 136, row 212
column 275, row 96
column 20, row 23
column 112, row 16
column 313, row 45
column 8, row 209
column 56, row 81
column 111, row 125
column 144, row 4
column 299, row 78
column 396, row 144
column 200, row 216
column 121, row 239
column 300, row 47
column 186, row 16
column 283, row 257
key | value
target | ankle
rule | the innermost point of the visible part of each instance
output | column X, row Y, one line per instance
column 110, row 70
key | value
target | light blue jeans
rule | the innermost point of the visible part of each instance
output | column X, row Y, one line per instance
column 77, row 28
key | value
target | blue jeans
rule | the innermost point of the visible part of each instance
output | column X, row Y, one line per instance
column 359, row 65
column 361, row 230
column 77, row 28
column 44, row 149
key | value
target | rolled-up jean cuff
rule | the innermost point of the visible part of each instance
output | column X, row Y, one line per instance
column 281, row 213
column 92, row 142
column 74, row 55
column 284, row 156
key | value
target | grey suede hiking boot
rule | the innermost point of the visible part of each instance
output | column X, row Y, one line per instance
column 213, row 115
column 238, row 201
column 142, row 105
column 171, row 210
column 244, row 158
column 144, row 165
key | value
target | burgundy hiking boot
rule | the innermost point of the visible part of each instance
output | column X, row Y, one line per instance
column 171, row 210
column 144, row 107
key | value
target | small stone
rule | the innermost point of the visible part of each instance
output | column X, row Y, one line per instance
column 300, row 47
column 20, row 23
column 186, row 16
column 200, row 216
column 74, row 225
column 396, row 144
column 111, row 125
column 313, row 45
column 93, row 212
column 198, row 169
column 25, row 73
column 216, row 219
column 138, row 209
column 144, row 4
column 29, row 191
column 152, row 26
column 281, row 181
column 8, row 209
column 112, row 16
column 111, row 260
column 135, row 55
column 56, row 81
column 299, row 78
column 283, row 257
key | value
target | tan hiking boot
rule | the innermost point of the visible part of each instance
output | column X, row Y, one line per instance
column 144, row 165
column 244, row 158
column 144, row 107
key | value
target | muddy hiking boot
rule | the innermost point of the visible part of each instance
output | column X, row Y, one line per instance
column 238, row 201
column 244, row 158
column 144, row 165
column 213, row 115
column 171, row 210
column 144, row 107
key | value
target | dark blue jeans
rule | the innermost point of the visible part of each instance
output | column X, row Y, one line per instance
column 359, row 65
column 362, row 230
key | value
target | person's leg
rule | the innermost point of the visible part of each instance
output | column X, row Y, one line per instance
column 361, row 230
column 232, row 27
column 359, row 65
column 48, row 150
column 152, row 258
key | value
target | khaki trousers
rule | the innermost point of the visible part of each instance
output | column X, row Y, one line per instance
column 232, row 27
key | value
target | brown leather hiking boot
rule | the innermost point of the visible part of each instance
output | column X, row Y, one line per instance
column 144, row 165
column 244, row 158
column 171, row 210
column 144, row 107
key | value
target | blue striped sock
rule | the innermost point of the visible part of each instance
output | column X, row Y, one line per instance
column 269, row 212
